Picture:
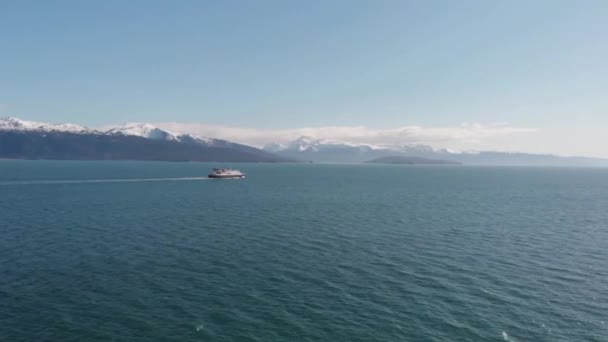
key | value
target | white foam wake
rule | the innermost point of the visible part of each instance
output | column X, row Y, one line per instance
column 507, row 338
column 84, row 181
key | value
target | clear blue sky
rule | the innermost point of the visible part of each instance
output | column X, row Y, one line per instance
column 286, row 64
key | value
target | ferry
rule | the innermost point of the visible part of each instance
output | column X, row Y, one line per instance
column 226, row 173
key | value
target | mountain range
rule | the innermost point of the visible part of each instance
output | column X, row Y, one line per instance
column 21, row 139
column 316, row 150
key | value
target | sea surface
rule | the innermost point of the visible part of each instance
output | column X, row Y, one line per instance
column 152, row 251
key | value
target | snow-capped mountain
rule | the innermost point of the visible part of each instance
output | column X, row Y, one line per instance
column 141, row 141
column 309, row 144
column 325, row 150
column 16, row 124
column 135, row 141
column 310, row 149
column 144, row 130
column 304, row 144
column 274, row 147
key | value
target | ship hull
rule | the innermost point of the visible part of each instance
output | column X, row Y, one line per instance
column 226, row 176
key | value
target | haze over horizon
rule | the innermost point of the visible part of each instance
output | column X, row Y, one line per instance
column 506, row 76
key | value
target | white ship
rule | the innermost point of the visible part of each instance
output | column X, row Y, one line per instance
column 226, row 173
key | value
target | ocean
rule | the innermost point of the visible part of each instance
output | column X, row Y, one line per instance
column 153, row 251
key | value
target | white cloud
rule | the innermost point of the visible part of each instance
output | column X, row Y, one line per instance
column 467, row 135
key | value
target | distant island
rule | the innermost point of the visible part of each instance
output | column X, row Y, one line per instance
column 402, row 160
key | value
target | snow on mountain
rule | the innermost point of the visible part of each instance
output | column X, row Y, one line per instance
column 304, row 144
column 309, row 144
column 274, row 147
column 16, row 124
column 21, row 139
column 144, row 130
column 421, row 149
column 307, row 148
column 325, row 150
column 199, row 139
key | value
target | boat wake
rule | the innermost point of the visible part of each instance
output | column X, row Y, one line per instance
column 507, row 338
column 93, row 181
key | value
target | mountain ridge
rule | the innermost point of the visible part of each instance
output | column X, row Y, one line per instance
column 317, row 150
column 21, row 139
column 16, row 134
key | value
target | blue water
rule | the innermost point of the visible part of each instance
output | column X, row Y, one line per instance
column 137, row 251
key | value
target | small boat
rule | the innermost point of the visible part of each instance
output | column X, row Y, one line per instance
column 226, row 173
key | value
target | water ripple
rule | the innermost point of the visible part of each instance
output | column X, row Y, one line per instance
column 302, row 253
